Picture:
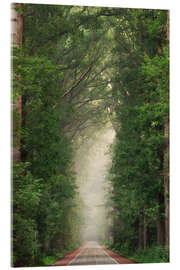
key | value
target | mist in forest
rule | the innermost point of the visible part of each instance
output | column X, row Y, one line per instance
column 92, row 163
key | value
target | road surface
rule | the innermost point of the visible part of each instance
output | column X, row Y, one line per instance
column 92, row 254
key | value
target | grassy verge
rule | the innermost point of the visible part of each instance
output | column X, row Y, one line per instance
column 49, row 260
column 153, row 254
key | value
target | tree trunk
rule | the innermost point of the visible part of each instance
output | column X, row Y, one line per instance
column 166, row 167
column 166, row 164
column 160, row 221
column 160, row 232
column 145, row 232
column 16, row 39
column 140, row 237
column 166, row 183
column 23, row 151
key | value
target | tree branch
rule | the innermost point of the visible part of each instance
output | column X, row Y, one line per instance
column 81, row 78
column 127, row 50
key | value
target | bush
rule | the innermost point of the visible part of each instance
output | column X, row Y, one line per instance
column 154, row 254
column 49, row 260
column 26, row 197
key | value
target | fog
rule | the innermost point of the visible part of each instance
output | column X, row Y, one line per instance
column 92, row 162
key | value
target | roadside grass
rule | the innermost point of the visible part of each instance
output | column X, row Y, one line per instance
column 153, row 254
column 49, row 260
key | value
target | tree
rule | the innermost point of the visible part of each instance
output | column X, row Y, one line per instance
column 140, row 90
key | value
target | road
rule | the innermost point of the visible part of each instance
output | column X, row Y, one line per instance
column 92, row 254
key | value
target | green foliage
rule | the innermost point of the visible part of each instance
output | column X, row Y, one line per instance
column 27, row 192
column 41, row 207
column 140, row 93
column 154, row 254
column 49, row 260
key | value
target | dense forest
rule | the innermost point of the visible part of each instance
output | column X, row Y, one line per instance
column 73, row 70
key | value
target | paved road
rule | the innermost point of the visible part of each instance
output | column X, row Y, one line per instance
column 92, row 254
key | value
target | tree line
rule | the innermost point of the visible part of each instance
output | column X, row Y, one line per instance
column 139, row 172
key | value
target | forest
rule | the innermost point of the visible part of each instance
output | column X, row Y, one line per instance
column 74, row 70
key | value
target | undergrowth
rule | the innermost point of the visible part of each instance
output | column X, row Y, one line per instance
column 153, row 254
column 49, row 260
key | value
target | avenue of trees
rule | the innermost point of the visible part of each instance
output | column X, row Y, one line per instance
column 140, row 163
column 75, row 69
